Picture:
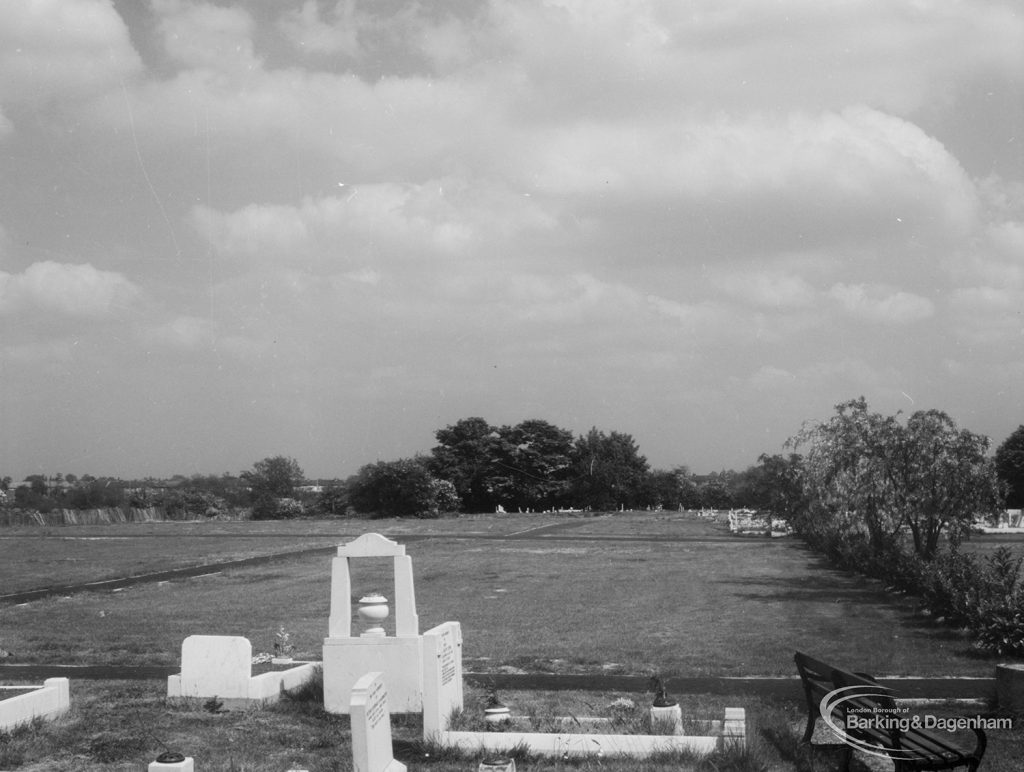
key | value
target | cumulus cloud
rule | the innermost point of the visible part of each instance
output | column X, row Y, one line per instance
column 831, row 173
column 67, row 49
column 307, row 28
column 68, row 289
column 387, row 220
column 879, row 303
column 207, row 36
column 767, row 288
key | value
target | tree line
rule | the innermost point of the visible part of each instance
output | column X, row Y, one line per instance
column 537, row 466
column 857, row 473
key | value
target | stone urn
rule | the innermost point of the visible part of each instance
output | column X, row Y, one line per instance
column 373, row 610
column 496, row 711
column 665, row 711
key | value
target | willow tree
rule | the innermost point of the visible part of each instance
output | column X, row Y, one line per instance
column 865, row 471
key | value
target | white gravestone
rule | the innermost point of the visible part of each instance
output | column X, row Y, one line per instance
column 442, row 677
column 371, row 726
column 216, row 665
column 347, row 657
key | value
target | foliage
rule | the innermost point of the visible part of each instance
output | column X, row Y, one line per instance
column 1010, row 467
column 525, row 466
column 464, row 456
column 533, row 460
column 867, row 473
column 276, row 476
column 671, row 489
column 333, row 500
column 608, row 471
column 400, row 488
column 272, row 484
column 773, row 486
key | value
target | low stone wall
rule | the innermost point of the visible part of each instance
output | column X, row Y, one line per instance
column 51, row 699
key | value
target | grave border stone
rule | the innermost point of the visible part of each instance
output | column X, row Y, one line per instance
column 49, row 700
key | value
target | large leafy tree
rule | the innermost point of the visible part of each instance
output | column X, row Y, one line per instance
column 865, row 471
column 533, row 460
column 465, row 456
column 608, row 471
column 942, row 478
column 1010, row 467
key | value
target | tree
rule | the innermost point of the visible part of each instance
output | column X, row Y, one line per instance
column 272, row 481
column 846, row 474
column 671, row 489
column 465, row 456
column 275, row 476
column 333, row 499
column 37, row 484
column 865, row 471
column 608, row 471
column 1010, row 467
column 773, row 486
column 942, row 478
column 400, row 489
column 532, row 460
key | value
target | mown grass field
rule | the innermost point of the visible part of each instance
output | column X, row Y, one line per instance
column 675, row 595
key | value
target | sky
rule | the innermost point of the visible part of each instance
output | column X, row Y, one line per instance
column 325, row 229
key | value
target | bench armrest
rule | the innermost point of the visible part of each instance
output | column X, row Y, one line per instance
column 979, row 748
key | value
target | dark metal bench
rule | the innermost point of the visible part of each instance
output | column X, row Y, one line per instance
column 910, row 747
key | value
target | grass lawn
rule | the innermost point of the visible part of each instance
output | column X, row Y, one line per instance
column 685, row 608
column 36, row 558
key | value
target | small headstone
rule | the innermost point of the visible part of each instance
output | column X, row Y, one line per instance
column 442, row 676
column 371, row 726
column 216, row 665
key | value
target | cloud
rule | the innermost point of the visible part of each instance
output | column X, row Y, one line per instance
column 184, row 332
column 598, row 57
column 207, row 36
column 66, row 289
column 809, row 178
column 879, row 303
column 767, row 288
column 389, row 222
column 62, row 49
column 307, row 29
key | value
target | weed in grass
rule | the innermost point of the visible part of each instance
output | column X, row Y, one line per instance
column 311, row 691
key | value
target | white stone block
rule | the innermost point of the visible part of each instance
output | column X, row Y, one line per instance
column 371, row 726
column 442, row 676
column 50, row 700
column 216, row 666
column 346, row 660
